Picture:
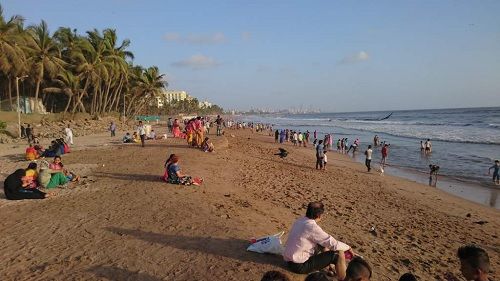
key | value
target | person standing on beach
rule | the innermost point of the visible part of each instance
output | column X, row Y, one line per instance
column 376, row 141
column 29, row 133
column 385, row 153
column 219, row 122
column 300, row 138
column 319, row 155
column 276, row 136
column 112, row 128
column 496, row 175
column 69, row 135
column 170, row 124
column 141, row 131
column 315, row 134
column 368, row 158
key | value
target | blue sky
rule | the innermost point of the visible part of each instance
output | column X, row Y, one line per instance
column 330, row 55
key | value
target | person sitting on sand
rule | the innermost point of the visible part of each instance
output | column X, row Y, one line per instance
column 303, row 241
column 175, row 176
column 16, row 187
column 32, row 175
column 152, row 135
column 407, row 277
column 136, row 137
column 57, row 165
column 52, row 151
column 274, row 275
column 358, row 270
column 207, row 145
column 166, row 166
column 49, row 178
column 31, row 153
column 127, row 138
column 474, row 264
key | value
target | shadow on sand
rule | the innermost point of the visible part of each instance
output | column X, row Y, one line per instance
column 129, row 177
column 225, row 247
column 116, row 273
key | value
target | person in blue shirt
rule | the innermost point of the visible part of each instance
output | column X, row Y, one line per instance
column 175, row 175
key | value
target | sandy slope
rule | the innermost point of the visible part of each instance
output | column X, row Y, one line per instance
column 124, row 224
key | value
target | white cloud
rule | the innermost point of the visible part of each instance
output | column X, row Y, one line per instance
column 358, row 57
column 196, row 39
column 197, row 62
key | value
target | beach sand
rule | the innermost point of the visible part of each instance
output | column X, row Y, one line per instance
column 123, row 223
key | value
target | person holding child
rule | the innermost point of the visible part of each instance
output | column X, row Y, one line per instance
column 16, row 187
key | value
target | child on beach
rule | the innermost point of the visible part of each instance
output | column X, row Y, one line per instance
column 474, row 264
column 358, row 270
column 32, row 175
column 385, row 153
column 496, row 175
column 325, row 159
column 433, row 174
column 368, row 158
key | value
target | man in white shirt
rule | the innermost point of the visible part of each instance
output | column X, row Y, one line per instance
column 69, row 135
column 141, row 131
column 368, row 160
column 305, row 237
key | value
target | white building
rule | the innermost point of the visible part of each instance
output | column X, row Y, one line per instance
column 168, row 96
column 204, row 104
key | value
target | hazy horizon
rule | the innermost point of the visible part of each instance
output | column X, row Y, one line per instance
column 332, row 56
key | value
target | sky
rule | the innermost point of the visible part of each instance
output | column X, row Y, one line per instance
column 336, row 56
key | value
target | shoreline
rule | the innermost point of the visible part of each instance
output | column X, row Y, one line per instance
column 478, row 192
column 127, row 224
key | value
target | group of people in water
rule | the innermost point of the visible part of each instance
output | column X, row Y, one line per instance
column 310, row 250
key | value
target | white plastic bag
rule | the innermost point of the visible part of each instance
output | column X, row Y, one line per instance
column 268, row 244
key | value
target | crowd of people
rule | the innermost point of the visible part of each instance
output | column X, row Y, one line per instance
column 310, row 250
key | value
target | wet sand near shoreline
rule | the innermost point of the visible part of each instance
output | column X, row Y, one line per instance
column 125, row 224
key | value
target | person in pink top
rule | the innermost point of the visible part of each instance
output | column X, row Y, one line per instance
column 305, row 236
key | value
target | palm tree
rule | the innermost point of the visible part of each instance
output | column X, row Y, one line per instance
column 44, row 56
column 67, row 84
column 11, row 54
column 146, row 85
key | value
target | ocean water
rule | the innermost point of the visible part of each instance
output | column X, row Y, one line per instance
column 466, row 141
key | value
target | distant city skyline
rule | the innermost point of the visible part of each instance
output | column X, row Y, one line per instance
column 334, row 56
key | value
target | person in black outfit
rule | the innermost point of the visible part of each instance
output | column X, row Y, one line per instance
column 14, row 187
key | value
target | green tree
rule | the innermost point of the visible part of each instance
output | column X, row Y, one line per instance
column 44, row 57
